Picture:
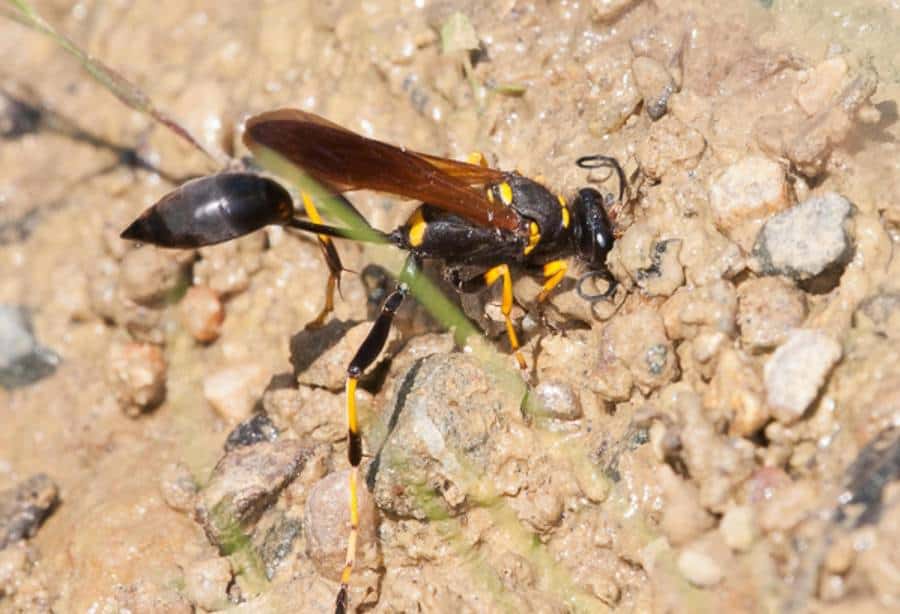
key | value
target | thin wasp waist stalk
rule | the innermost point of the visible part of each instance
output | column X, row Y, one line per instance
column 471, row 215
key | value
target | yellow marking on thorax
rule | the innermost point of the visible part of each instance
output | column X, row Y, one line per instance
column 490, row 195
column 477, row 158
column 506, row 194
column 417, row 225
column 534, row 237
column 565, row 210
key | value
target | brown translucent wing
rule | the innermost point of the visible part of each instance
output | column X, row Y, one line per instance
column 345, row 161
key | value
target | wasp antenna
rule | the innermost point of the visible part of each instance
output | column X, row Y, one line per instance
column 601, row 161
column 606, row 295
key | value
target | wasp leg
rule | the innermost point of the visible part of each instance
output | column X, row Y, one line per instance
column 332, row 259
column 554, row 272
column 366, row 354
column 487, row 279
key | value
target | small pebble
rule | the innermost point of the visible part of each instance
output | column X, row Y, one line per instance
column 788, row 505
column 809, row 242
column 591, row 482
column 738, row 527
column 747, row 191
column 24, row 507
column 670, row 146
column 649, row 355
column 253, row 430
column 769, row 308
column 138, row 375
column 832, row 587
column 797, row 370
column 147, row 274
column 820, row 85
column 23, row 360
column 617, row 97
column 558, row 400
column 655, row 84
column 607, row 11
column 683, row 518
column 206, row 583
column 226, row 268
column 736, row 392
column 178, row 488
column 291, row 408
column 840, row 555
column 202, row 313
column 244, row 484
column 321, row 361
column 327, row 523
column 880, row 314
column 451, row 417
column 699, row 569
column 233, row 391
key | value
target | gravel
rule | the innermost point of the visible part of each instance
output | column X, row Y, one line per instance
column 796, row 371
column 244, row 484
column 747, row 192
column 251, row 431
column 655, row 84
column 449, row 416
column 202, row 313
column 699, row 569
column 137, row 372
column 769, row 308
column 24, row 507
column 234, row 391
column 23, row 360
column 809, row 242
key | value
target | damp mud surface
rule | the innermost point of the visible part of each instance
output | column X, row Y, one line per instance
column 723, row 435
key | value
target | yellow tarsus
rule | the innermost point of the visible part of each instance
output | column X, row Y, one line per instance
column 490, row 277
column 554, row 272
column 313, row 213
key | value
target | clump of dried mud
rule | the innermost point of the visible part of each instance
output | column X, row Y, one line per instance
column 720, row 436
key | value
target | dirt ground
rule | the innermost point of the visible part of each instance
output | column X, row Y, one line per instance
column 721, row 436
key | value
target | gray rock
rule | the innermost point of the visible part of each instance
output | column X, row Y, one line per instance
column 809, row 242
column 23, row 360
column 253, row 430
column 244, row 484
column 446, row 422
column 24, row 507
column 797, row 370
column 278, row 542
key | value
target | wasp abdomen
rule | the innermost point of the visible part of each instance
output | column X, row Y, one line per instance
column 212, row 210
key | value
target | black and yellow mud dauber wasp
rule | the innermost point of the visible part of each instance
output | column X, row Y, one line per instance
column 472, row 215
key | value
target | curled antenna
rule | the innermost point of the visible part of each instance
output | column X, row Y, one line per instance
column 599, row 161
column 606, row 295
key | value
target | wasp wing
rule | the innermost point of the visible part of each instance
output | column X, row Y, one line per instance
column 346, row 161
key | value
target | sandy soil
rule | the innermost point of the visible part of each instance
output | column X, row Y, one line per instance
column 720, row 437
